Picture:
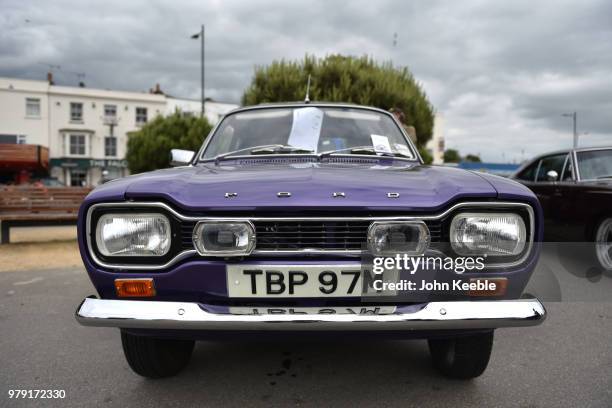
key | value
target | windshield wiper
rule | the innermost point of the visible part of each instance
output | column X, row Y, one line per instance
column 287, row 149
column 604, row 177
column 246, row 149
column 263, row 149
column 363, row 150
column 280, row 149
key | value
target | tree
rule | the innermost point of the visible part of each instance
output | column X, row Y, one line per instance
column 451, row 156
column 472, row 158
column 149, row 148
column 425, row 155
column 338, row 78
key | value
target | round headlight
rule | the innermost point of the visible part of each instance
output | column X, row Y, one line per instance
column 133, row 235
column 496, row 234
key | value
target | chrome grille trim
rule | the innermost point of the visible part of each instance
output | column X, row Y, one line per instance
column 312, row 234
column 190, row 252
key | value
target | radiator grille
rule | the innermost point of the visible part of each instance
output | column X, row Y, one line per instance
column 186, row 234
column 285, row 235
column 315, row 234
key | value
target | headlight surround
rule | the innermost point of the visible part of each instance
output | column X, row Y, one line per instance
column 491, row 234
column 398, row 237
column 133, row 234
column 224, row 238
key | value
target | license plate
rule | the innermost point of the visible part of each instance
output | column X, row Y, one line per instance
column 253, row 281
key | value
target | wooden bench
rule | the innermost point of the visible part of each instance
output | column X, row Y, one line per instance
column 28, row 206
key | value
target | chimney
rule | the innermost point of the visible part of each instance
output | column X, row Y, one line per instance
column 50, row 78
column 157, row 90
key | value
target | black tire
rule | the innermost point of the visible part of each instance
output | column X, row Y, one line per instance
column 462, row 357
column 156, row 358
column 603, row 239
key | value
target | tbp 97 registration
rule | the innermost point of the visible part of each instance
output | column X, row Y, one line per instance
column 247, row 281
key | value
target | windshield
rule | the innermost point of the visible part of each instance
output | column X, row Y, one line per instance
column 595, row 164
column 307, row 130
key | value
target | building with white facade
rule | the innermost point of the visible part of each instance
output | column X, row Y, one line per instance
column 435, row 146
column 85, row 129
column 88, row 131
column 24, row 109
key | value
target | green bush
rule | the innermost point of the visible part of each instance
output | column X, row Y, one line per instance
column 425, row 155
column 338, row 78
column 451, row 156
column 472, row 158
column 149, row 148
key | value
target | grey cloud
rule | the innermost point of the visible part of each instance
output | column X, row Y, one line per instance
column 500, row 73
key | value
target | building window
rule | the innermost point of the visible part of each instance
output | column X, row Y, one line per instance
column 8, row 139
column 33, row 107
column 76, row 112
column 12, row 139
column 141, row 116
column 110, row 111
column 77, row 145
column 110, row 146
column 78, row 177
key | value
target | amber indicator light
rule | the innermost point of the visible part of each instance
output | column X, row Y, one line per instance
column 135, row 287
column 500, row 286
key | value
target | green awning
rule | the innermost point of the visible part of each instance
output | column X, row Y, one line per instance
column 83, row 163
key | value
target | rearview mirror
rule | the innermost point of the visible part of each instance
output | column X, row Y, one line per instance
column 179, row 157
column 552, row 175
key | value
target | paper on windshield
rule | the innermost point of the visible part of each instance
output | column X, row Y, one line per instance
column 381, row 143
column 402, row 148
column 306, row 128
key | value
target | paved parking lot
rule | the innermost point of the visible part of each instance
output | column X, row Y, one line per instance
column 567, row 361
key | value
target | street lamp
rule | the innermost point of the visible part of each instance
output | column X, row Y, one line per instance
column 574, row 116
column 195, row 37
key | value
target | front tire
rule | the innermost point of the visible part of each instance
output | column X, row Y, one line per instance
column 603, row 244
column 462, row 357
column 156, row 358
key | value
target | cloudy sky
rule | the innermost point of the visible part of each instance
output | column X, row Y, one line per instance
column 499, row 73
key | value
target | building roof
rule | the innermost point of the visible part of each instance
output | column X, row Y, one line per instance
column 29, row 85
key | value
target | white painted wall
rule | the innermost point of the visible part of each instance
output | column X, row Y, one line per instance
column 93, row 123
column 13, row 118
column 52, row 128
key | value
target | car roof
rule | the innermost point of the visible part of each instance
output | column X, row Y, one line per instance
column 534, row 159
column 565, row 151
column 588, row 149
column 579, row 149
column 277, row 105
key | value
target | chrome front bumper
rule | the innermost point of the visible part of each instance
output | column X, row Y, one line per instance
column 426, row 316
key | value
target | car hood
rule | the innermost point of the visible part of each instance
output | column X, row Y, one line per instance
column 256, row 187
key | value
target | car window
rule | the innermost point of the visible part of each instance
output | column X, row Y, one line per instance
column 568, row 171
column 528, row 174
column 312, row 128
column 549, row 163
column 595, row 164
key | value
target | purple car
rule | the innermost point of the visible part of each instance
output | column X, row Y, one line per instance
column 309, row 220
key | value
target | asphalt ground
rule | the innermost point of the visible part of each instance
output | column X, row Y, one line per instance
column 565, row 362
